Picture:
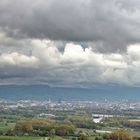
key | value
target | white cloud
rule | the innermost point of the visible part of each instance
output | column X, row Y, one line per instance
column 75, row 65
column 84, row 65
column 134, row 52
column 16, row 59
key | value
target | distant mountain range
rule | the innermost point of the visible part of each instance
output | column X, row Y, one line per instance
column 42, row 92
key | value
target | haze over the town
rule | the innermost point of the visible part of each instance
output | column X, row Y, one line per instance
column 78, row 44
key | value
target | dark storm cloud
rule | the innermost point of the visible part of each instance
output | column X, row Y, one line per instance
column 115, row 23
column 68, row 43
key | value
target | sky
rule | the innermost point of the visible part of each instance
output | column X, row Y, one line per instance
column 74, row 43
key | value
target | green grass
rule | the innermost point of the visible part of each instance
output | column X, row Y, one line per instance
column 91, row 138
column 59, row 138
column 5, row 126
column 135, row 133
column 19, row 138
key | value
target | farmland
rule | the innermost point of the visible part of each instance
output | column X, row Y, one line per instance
column 46, row 123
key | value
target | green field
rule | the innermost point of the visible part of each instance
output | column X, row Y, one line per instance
column 20, row 138
column 29, row 138
column 135, row 133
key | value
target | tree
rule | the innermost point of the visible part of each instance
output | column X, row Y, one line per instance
column 52, row 133
column 65, row 129
column 120, row 135
column 23, row 127
column 82, row 137
column 98, row 138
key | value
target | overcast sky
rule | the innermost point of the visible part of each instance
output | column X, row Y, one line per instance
column 74, row 43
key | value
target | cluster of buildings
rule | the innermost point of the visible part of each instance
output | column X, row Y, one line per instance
column 71, row 105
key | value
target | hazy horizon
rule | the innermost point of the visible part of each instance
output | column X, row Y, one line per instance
column 43, row 92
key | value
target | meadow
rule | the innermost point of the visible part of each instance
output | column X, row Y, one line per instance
column 20, row 138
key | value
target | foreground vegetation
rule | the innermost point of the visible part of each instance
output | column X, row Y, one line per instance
column 116, row 135
column 67, row 129
column 24, row 124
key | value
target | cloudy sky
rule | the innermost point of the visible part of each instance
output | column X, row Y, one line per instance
column 79, row 43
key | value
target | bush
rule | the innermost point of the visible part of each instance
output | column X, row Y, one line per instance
column 82, row 137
